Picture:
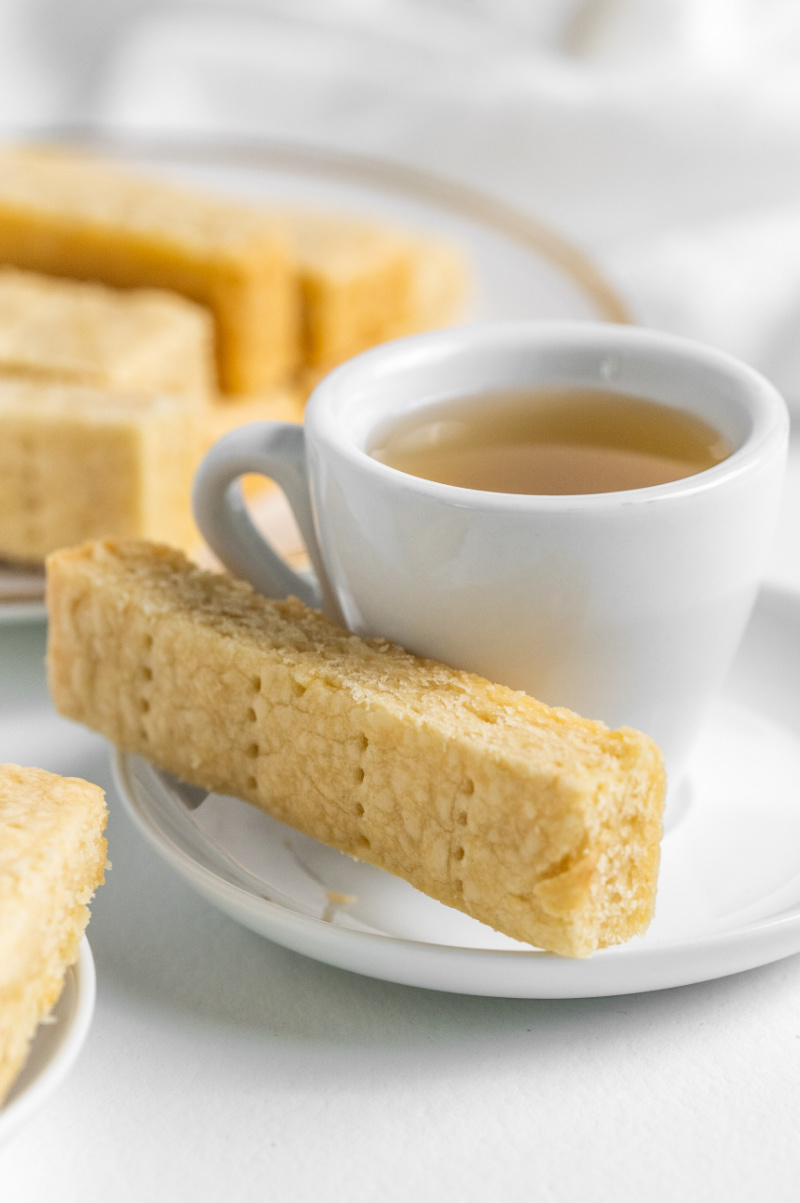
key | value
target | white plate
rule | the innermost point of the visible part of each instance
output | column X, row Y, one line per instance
column 729, row 888
column 21, row 593
column 22, row 611
column 55, row 1046
column 522, row 269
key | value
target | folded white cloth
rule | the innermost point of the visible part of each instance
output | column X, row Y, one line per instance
column 662, row 135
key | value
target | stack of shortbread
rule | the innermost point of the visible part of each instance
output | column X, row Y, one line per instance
column 124, row 290
column 101, row 397
column 52, row 859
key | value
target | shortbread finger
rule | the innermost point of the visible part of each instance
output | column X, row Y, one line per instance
column 74, row 332
column 78, row 463
column 363, row 283
column 540, row 823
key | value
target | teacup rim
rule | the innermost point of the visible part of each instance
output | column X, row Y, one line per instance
column 765, row 406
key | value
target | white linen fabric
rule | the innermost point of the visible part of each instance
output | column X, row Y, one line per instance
column 661, row 135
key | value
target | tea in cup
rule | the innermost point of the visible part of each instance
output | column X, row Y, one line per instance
column 551, row 441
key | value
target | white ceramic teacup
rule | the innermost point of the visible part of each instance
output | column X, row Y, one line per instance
column 625, row 606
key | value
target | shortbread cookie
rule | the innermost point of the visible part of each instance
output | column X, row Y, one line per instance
column 68, row 213
column 540, row 823
column 78, row 463
column 52, row 859
column 439, row 287
column 363, row 283
column 354, row 280
column 79, row 333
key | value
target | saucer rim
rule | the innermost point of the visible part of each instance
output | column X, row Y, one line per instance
column 631, row 968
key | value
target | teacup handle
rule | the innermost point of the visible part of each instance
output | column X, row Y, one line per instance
column 277, row 450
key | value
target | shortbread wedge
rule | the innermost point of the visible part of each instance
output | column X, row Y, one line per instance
column 69, row 213
column 78, row 463
column 80, row 333
column 541, row 824
column 52, row 859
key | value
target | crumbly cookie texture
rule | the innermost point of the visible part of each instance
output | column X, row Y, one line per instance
column 75, row 332
column 542, row 824
column 78, row 463
column 69, row 213
column 52, row 859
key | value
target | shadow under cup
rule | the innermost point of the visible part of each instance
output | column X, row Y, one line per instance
column 623, row 606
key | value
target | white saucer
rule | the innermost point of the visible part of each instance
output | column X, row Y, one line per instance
column 522, row 269
column 55, row 1046
column 729, row 889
